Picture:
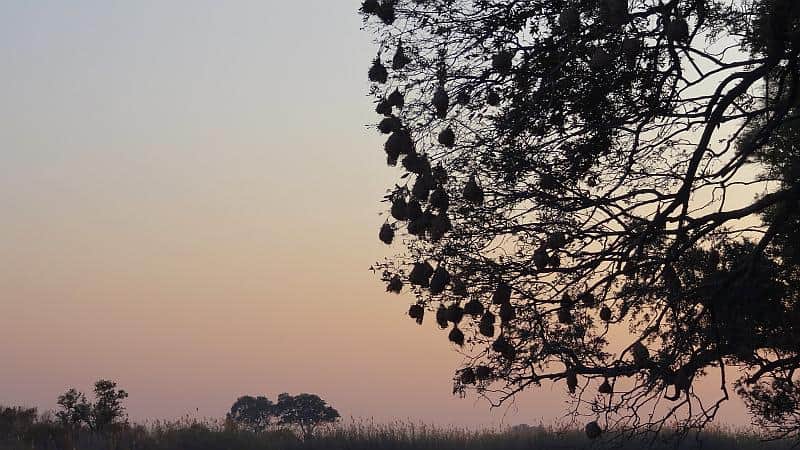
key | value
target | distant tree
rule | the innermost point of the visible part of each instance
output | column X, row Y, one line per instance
column 306, row 411
column 601, row 193
column 252, row 413
column 76, row 410
column 108, row 408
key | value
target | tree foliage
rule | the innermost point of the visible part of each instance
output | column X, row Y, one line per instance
column 305, row 411
column 107, row 409
column 600, row 193
column 252, row 413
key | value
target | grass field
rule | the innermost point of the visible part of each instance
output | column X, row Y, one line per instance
column 348, row 435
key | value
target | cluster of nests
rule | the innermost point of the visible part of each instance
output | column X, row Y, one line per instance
column 383, row 9
column 614, row 13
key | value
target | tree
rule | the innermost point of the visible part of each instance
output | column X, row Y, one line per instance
column 107, row 410
column 75, row 410
column 600, row 193
column 305, row 411
column 252, row 413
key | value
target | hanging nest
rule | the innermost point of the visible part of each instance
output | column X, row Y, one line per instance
column 455, row 313
column 440, row 174
column 483, row 373
column 441, row 317
column 399, row 143
column 441, row 102
column 502, row 346
column 572, row 380
column 565, row 316
column 439, row 199
column 600, row 60
column 414, row 210
column 399, row 208
column 386, row 235
column 614, row 12
column 605, row 314
column 605, row 388
column 383, row 108
column 502, row 294
column 631, row 46
column 388, row 125
column 415, row 163
column 420, row 274
column 641, row 356
column 400, row 60
column 463, row 98
column 472, row 192
column 683, row 381
column 467, row 376
column 503, row 62
column 439, row 226
column 486, row 325
column 416, row 312
column 588, row 299
column 556, row 240
column 593, row 430
column 447, row 137
column 456, row 336
column 570, row 20
column 493, row 98
column 420, row 225
column 473, row 307
column 459, row 287
column 396, row 99
column 677, row 29
column 377, row 73
column 548, row 182
column 440, row 280
column 422, row 187
column 541, row 258
column 370, row 6
column 395, row 285
column 386, row 12
column 507, row 313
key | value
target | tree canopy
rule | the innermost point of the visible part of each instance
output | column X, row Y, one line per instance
column 303, row 411
column 107, row 409
column 600, row 193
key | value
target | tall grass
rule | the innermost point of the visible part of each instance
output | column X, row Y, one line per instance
column 42, row 433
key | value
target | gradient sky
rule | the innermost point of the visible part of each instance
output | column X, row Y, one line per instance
column 190, row 202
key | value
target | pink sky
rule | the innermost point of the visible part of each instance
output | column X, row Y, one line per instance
column 190, row 204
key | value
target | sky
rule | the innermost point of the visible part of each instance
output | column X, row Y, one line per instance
column 190, row 204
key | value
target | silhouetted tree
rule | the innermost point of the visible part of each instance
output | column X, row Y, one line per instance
column 602, row 193
column 252, row 413
column 76, row 410
column 305, row 411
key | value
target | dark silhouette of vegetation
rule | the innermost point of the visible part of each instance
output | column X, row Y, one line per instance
column 252, row 413
column 22, row 428
column 107, row 410
column 304, row 411
column 600, row 193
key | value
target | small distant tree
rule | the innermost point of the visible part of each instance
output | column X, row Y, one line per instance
column 305, row 411
column 76, row 411
column 252, row 413
column 108, row 408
